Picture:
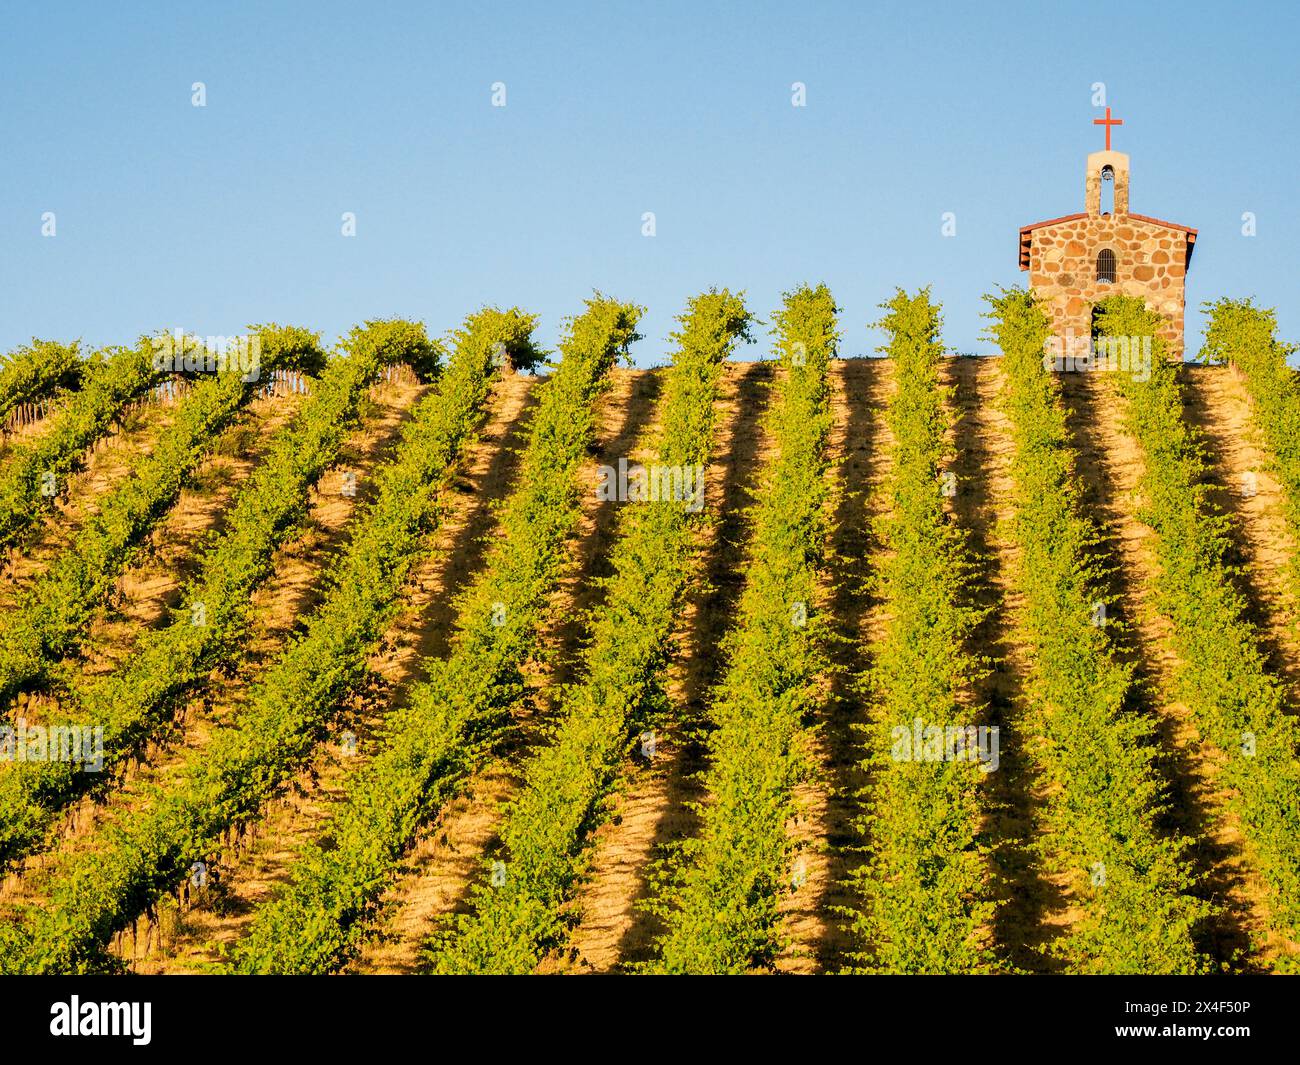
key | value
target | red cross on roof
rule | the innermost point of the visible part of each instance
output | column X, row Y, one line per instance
column 1108, row 122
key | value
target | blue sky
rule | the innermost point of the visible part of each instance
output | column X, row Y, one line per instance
column 169, row 215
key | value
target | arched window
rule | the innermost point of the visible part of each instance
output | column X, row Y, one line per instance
column 1107, row 190
column 1105, row 267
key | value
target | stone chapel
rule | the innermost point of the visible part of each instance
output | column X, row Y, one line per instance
column 1078, row 259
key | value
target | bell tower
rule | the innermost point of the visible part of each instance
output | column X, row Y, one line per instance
column 1106, row 189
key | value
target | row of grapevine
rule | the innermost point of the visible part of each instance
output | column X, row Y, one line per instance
column 133, row 703
column 36, row 471
column 1104, row 802
column 52, row 614
column 440, row 736
column 1244, row 336
column 143, row 854
column 513, row 923
column 1237, row 704
column 35, row 370
column 925, row 886
column 720, row 902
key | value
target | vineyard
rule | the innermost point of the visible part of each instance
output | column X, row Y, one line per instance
column 456, row 655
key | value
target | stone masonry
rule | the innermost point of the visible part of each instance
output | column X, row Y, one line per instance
column 1068, row 271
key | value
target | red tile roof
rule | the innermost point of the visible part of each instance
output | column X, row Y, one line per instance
column 1026, row 239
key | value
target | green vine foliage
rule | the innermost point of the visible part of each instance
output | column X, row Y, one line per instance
column 512, row 924
column 52, row 615
column 112, row 380
column 926, row 895
column 134, row 702
column 389, row 341
column 142, row 854
column 1244, row 336
column 37, row 369
column 1238, row 705
column 721, row 897
column 1104, row 800
column 451, row 718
